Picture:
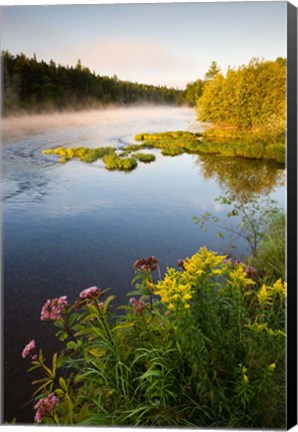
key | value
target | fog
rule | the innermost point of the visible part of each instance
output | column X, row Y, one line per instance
column 19, row 126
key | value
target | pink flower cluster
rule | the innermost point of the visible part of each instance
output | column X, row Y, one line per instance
column 146, row 264
column 251, row 272
column 138, row 305
column 29, row 350
column 90, row 293
column 52, row 309
column 45, row 406
column 232, row 262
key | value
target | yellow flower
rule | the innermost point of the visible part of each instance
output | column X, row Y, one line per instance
column 280, row 287
column 173, row 293
column 263, row 294
column 239, row 277
column 272, row 366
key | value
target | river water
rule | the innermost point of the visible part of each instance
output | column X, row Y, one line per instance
column 70, row 226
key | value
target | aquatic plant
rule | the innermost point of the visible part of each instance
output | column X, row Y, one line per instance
column 144, row 157
column 113, row 162
column 203, row 346
column 225, row 142
column 84, row 154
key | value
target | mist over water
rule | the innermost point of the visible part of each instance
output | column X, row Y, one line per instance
column 16, row 127
column 70, row 226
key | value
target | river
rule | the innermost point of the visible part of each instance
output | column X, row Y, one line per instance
column 70, row 226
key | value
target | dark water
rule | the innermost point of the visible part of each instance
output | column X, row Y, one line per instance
column 69, row 226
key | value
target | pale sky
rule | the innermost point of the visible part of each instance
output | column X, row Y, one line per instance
column 166, row 44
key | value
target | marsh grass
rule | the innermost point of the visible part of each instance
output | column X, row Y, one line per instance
column 107, row 154
column 113, row 162
column 224, row 142
column 144, row 157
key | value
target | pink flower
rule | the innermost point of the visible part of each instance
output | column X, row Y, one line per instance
column 45, row 406
column 90, row 293
column 52, row 309
column 251, row 272
column 29, row 350
column 138, row 306
column 146, row 264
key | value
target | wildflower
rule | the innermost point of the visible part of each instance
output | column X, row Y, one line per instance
column 172, row 292
column 146, row 264
column 52, row 309
column 280, row 287
column 180, row 263
column 45, row 406
column 90, row 293
column 263, row 295
column 138, row 305
column 272, row 366
column 239, row 277
column 29, row 350
column 251, row 272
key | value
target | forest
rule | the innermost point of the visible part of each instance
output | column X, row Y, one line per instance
column 34, row 86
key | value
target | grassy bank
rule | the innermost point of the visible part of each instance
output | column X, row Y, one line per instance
column 250, row 145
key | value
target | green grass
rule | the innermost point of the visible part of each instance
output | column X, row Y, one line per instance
column 144, row 157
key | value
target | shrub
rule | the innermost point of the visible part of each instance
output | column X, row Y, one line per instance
column 201, row 347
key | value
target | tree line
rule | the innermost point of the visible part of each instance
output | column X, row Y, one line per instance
column 252, row 97
column 32, row 85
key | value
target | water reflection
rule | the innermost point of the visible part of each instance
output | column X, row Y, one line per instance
column 242, row 177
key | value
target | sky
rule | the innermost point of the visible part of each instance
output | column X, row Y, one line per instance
column 159, row 43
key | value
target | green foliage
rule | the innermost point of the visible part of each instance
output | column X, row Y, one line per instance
column 271, row 251
column 144, row 157
column 251, row 214
column 31, row 85
column 250, row 145
column 114, row 162
column 201, row 347
column 171, row 143
column 193, row 92
column 228, row 143
column 251, row 97
column 212, row 71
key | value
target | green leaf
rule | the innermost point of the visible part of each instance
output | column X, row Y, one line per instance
column 54, row 363
column 63, row 384
column 123, row 326
column 107, row 302
column 98, row 352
